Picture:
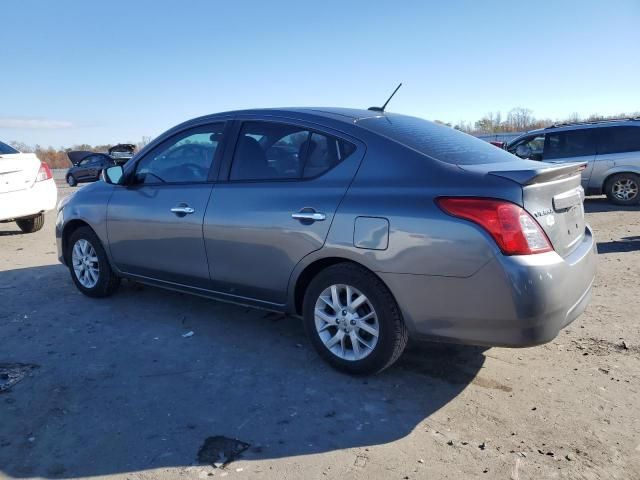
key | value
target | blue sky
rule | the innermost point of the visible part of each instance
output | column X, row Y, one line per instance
column 114, row 71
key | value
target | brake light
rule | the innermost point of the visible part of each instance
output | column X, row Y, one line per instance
column 44, row 173
column 512, row 228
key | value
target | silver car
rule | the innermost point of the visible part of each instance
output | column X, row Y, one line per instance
column 371, row 226
column 610, row 148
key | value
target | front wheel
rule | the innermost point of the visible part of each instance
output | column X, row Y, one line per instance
column 623, row 189
column 71, row 180
column 31, row 224
column 89, row 265
column 353, row 321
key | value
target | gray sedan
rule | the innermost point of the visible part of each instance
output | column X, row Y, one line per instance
column 370, row 226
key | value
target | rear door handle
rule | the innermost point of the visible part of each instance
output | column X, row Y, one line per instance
column 182, row 210
column 309, row 215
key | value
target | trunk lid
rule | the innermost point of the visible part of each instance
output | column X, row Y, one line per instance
column 552, row 194
column 18, row 171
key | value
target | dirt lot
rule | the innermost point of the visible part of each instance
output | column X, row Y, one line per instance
column 112, row 389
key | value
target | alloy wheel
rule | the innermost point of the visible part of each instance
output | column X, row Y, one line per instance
column 85, row 263
column 625, row 189
column 346, row 322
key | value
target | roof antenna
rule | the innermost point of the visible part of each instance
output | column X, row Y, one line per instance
column 381, row 109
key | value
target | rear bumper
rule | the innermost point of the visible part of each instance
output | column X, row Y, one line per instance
column 512, row 301
column 42, row 196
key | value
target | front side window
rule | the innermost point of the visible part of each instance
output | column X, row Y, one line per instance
column 618, row 139
column 576, row 143
column 529, row 148
column 277, row 151
column 185, row 157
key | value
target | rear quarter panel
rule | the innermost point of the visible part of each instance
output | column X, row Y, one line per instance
column 609, row 164
column 400, row 185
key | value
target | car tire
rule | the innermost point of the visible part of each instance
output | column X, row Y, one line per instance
column 71, row 180
column 89, row 266
column 623, row 189
column 31, row 224
column 379, row 311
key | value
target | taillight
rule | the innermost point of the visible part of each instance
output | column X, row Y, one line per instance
column 44, row 173
column 512, row 228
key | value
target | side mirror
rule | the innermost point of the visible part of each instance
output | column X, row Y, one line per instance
column 523, row 151
column 113, row 175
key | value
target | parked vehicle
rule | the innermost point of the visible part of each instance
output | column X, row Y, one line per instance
column 610, row 148
column 87, row 165
column 27, row 189
column 372, row 226
column 122, row 152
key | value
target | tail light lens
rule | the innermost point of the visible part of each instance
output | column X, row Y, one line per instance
column 44, row 173
column 512, row 228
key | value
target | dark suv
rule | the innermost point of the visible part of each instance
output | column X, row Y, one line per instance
column 611, row 149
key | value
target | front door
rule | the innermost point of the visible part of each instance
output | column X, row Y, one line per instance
column 284, row 185
column 155, row 221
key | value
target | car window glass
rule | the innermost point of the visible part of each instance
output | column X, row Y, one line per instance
column 276, row 151
column 618, row 139
column 530, row 148
column 186, row 157
column 436, row 141
column 323, row 153
column 268, row 151
column 575, row 143
column 6, row 149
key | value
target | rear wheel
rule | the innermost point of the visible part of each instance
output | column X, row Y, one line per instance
column 71, row 180
column 353, row 320
column 31, row 224
column 89, row 265
column 623, row 189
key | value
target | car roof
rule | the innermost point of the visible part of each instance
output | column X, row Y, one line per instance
column 346, row 115
column 560, row 127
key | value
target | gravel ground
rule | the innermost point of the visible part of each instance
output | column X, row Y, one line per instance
column 111, row 388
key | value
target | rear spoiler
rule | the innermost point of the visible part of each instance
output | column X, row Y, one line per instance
column 542, row 172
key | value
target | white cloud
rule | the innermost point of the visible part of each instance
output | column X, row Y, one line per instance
column 33, row 123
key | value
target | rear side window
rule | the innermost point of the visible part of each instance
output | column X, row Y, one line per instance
column 575, row 143
column 437, row 141
column 6, row 149
column 618, row 139
column 278, row 151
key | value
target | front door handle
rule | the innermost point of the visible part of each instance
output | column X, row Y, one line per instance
column 182, row 210
column 309, row 215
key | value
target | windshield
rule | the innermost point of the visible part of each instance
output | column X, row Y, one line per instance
column 6, row 149
column 437, row 141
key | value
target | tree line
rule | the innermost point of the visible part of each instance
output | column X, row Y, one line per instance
column 521, row 119
column 57, row 157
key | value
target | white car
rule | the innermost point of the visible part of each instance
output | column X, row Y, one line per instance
column 27, row 189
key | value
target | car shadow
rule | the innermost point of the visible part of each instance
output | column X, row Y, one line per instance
column 624, row 245
column 8, row 233
column 602, row 204
column 122, row 386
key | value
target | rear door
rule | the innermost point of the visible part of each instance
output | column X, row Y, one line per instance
column 282, row 185
column 617, row 147
column 155, row 221
column 572, row 146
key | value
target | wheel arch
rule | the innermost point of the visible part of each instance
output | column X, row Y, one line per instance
column 67, row 231
column 304, row 274
column 618, row 171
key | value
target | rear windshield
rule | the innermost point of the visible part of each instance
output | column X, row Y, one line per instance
column 6, row 149
column 438, row 141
